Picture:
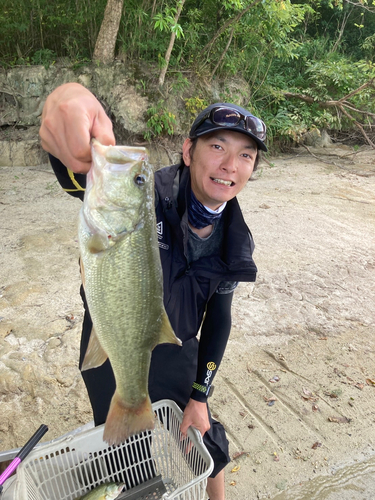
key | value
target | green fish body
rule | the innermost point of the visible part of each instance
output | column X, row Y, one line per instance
column 108, row 491
column 122, row 277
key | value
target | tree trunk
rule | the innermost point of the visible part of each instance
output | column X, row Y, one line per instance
column 104, row 51
column 170, row 46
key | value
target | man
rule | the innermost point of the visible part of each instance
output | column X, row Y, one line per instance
column 205, row 248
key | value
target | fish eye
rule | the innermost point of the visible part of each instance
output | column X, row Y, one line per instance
column 139, row 179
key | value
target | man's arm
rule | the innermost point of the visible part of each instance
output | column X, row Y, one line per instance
column 71, row 117
column 73, row 184
column 214, row 337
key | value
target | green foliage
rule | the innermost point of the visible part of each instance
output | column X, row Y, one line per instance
column 326, row 80
column 369, row 46
column 195, row 105
column 46, row 57
column 180, row 83
column 318, row 48
column 330, row 77
column 166, row 21
column 31, row 26
column 160, row 122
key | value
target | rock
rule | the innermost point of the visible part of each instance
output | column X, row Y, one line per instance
column 126, row 94
column 317, row 138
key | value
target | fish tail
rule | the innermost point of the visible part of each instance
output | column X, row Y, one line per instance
column 122, row 421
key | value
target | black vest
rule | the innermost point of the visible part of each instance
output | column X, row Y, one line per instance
column 187, row 288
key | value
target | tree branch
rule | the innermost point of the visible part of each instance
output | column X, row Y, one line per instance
column 224, row 52
column 363, row 112
column 341, row 104
column 361, row 5
column 226, row 25
column 353, row 92
column 170, row 46
column 358, row 125
column 341, row 32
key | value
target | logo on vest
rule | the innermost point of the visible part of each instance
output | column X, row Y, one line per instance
column 159, row 231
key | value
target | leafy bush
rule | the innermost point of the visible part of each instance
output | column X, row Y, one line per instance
column 317, row 48
column 46, row 57
column 160, row 121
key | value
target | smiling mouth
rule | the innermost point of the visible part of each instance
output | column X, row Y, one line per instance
column 225, row 183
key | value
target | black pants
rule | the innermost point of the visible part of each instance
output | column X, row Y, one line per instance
column 172, row 372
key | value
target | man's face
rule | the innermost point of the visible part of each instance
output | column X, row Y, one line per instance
column 220, row 166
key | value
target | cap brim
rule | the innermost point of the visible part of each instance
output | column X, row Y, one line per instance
column 203, row 130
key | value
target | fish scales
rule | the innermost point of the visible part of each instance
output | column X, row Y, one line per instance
column 108, row 491
column 122, row 278
column 132, row 302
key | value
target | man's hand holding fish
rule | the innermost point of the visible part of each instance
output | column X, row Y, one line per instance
column 71, row 117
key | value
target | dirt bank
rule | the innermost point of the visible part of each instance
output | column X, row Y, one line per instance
column 296, row 389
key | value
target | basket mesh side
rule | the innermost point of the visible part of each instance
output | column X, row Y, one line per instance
column 178, row 460
column 68, row 473
column 67, row 469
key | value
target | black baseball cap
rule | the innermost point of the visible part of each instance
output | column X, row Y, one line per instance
column 229, row 117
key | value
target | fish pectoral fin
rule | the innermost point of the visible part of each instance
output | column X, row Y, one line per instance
column 82, row 271
column 95, row 354
column 98, row 243
column 167, row 334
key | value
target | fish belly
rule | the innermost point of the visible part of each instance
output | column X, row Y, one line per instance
column 124, row 293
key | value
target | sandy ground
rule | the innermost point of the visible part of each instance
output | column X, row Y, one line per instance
column 296, row 390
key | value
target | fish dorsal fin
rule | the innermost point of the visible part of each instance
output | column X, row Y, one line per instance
column 95, row 355
column 167, row 334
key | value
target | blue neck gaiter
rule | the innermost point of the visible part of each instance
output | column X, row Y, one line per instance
column 199, row 216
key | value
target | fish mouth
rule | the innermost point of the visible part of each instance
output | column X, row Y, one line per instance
column 222, row 182
column 120, row 488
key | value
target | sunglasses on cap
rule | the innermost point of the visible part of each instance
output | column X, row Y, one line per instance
column 229, row 117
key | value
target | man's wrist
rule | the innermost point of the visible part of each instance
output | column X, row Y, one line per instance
column 198, row 396
column 204, row 391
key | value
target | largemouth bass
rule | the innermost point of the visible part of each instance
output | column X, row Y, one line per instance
column 108, row 491
column 122, row 277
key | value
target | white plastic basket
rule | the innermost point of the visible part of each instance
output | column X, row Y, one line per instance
column 155, row 464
